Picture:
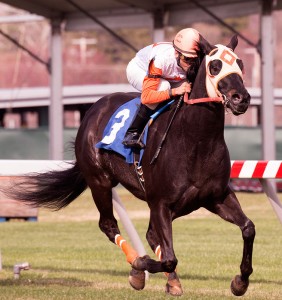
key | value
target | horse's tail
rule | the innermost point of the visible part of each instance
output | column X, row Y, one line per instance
column 53, row 190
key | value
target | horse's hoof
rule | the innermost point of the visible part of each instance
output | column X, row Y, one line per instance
column 137, row 279
column 173, row 287
column 238, row 286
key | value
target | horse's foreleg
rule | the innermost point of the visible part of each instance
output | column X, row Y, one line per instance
column 161, row 221
column 240, row 283
column 230, row 210
column 173, row 285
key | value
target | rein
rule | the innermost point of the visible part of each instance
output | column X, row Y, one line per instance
column 181, row 99
column 184, row 98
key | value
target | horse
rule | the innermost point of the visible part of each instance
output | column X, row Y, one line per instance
column 191, row 171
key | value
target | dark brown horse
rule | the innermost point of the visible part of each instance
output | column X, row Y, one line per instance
column 191, row 171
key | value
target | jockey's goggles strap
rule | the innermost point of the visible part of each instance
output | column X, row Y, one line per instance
column 182, row 51
column 185, row 58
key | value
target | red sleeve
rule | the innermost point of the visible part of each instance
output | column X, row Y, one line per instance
column 150, row 95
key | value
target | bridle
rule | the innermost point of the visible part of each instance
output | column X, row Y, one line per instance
column 229, row 66
column 227, row 58
column 221, row 99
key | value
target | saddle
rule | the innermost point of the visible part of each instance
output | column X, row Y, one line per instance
column 117, row 126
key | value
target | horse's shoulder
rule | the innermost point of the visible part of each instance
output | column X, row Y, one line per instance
column 165, row 117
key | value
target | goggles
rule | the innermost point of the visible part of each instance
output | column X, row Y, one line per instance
column 188, row 60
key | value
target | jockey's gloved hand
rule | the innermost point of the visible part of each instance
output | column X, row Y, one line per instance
column 185, row 87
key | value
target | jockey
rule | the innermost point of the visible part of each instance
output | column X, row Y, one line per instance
column 161, row 71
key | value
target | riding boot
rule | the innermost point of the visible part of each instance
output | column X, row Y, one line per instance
column 133, row 136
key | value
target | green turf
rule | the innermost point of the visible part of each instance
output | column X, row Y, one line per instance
column 72, row 259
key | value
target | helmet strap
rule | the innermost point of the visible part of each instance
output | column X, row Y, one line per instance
column 178, row 61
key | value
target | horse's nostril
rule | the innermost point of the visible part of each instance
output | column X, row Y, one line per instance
column 237, row 97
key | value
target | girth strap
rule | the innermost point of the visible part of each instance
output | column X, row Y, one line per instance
column 138, row 169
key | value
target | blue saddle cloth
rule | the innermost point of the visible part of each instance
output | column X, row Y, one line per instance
column 116, row 128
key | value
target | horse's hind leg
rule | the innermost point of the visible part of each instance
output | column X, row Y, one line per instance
column 230, row 210
column 102, row 196
column 173, row 285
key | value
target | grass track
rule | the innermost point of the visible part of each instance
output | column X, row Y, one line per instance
column 72, row 259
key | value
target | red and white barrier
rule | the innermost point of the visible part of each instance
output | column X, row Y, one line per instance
column 271, row 169
column 262, row 170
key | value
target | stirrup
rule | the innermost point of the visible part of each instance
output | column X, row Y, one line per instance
column 133, row 139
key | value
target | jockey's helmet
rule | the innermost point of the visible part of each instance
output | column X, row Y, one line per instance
column 186, row 42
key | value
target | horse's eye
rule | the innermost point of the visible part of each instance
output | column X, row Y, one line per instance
column 240, row 64
column 215, row 67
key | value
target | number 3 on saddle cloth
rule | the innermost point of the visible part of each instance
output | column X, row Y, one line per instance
column 117, row 126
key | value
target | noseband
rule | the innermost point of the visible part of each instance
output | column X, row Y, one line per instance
column 221, row 99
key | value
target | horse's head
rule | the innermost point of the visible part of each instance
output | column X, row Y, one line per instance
column 224, row 75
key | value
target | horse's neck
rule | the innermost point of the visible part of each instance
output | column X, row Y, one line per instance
column 208, row 115
column 199, row 87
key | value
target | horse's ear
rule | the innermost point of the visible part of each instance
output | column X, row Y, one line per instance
column 205, row 46
column 233, row 42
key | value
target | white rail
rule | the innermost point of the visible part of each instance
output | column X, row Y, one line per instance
column 40, row 96
column 263, row 170
column 12, row 168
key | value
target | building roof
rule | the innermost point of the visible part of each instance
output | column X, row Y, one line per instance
column 79, row 15
column 119, row 13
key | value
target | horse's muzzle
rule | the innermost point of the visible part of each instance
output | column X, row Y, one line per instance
column 238, row 103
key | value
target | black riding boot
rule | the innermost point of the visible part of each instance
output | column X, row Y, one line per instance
column 133, row 134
